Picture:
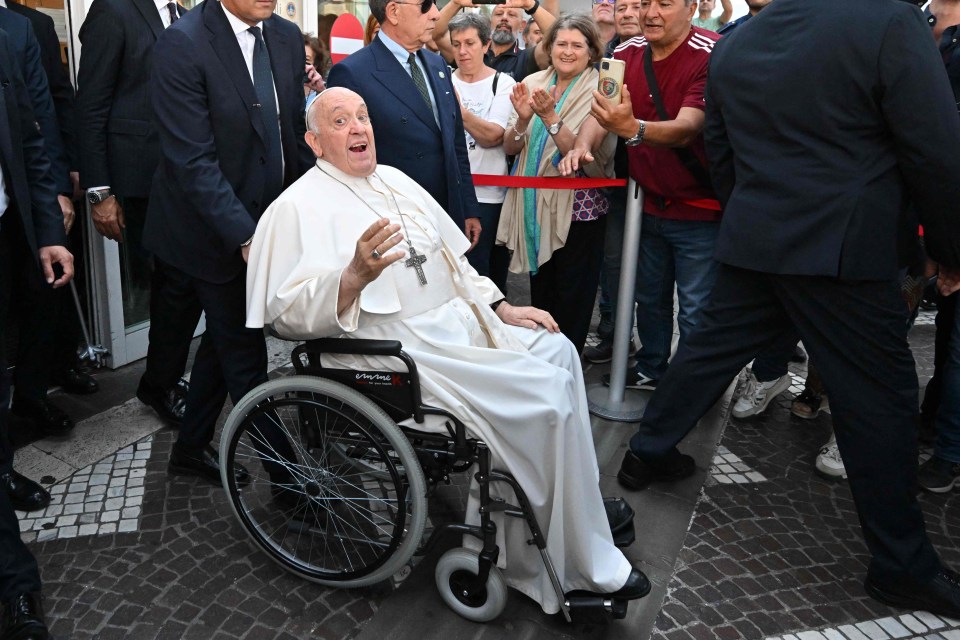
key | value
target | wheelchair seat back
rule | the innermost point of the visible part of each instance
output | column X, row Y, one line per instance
column 392, row 391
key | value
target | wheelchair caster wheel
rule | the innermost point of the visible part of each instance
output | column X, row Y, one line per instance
column 456, row 575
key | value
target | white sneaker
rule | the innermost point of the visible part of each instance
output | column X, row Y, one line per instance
column 757, row 395
column 829, row 462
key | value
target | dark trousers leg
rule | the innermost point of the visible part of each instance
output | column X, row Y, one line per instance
column 612, row 252
column 855, row 332
column 741, row 319
column 174, row 308
column 231, row 358
column 35, row 317
column 6, row 284
column 566, row 285
column 946, row 312
column 18, row 568
column 773, row 362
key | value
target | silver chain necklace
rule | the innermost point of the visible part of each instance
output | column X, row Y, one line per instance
column 416, row 260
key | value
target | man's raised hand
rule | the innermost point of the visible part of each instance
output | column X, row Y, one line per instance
column 617, row 118
column 371, row 256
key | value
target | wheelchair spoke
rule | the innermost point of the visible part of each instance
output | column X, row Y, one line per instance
column 329, row 490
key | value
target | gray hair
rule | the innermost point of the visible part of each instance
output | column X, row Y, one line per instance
column 379, row 9
column 464, row 21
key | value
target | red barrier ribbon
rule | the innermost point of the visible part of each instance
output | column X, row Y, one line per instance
column 534, row 182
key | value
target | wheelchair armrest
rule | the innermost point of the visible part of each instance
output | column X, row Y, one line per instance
column 358, row 347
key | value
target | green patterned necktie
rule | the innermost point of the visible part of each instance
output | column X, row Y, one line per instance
column 419, row 80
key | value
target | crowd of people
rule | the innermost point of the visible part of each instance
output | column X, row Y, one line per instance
column 783, row 203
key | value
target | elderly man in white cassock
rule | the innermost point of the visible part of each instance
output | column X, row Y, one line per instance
column 354, row 250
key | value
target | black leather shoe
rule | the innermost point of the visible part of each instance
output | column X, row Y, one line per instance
column 25, row 494
column 619, row 514
column 636, row 474
column 46, row 417
column 636, row 586
column 23, row 619
column 203, row 464
column 169, row 404
column 940, row 596
column 74, row 380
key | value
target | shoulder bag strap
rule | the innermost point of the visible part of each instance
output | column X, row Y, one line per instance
column 686, row 156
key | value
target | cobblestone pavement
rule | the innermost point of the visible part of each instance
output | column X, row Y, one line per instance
column 783, row 557
column 773, row 551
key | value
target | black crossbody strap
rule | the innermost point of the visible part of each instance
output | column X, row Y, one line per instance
column 496, row 78
column 690, row 161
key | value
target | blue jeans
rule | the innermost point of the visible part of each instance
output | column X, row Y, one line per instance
column 948, row 415
column 671, row 251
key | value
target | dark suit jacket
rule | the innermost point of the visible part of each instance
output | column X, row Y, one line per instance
column 406, row 133
column 117, row 140
column 26, row 169
column 823, row 118
column 27, row 51
column 60, row 88
column 208, row 191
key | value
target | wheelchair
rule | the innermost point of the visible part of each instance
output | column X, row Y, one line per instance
column 337, row 489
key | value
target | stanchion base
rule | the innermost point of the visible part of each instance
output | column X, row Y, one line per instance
column 630, row 410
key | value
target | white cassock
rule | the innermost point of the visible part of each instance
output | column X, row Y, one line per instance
column 519, row 390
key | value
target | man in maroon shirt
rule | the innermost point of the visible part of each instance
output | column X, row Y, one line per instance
column 667, row 159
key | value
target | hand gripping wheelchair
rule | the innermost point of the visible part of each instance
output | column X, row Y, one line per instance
column 338, row 491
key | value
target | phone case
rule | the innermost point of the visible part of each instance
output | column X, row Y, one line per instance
column 611, row 79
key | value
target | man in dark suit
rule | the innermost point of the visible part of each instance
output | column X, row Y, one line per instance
column 415, row 111
column 30, row 221
column 65, row 370
column 816, row 138
column 57, row 79
column 228, row 100
column 35, row 335
column 118, row 152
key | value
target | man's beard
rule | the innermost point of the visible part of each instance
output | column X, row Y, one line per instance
column 501, row 36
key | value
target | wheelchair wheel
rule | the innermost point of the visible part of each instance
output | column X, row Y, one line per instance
column 456, row 572
column 336, row 494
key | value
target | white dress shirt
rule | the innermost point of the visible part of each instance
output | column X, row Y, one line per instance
column 164, row 11
column 247, row 42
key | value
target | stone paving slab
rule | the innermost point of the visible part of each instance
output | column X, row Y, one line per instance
column 785, row 558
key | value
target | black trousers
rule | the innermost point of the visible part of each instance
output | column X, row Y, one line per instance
column 231, row 358
column 34, row 315
column 855, row 332
column 18, row 568
column 946, row 312
column 174, row 306
column 566, row 285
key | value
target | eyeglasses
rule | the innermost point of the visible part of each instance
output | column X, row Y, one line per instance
column 424, row 5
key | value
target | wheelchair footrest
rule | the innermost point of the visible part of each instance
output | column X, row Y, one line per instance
column 585, row 606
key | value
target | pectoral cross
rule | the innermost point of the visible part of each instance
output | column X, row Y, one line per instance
column 414, row 261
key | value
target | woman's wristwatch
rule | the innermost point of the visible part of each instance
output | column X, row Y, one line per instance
column 554, row 129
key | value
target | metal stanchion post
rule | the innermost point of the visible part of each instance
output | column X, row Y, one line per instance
column 614, row 402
